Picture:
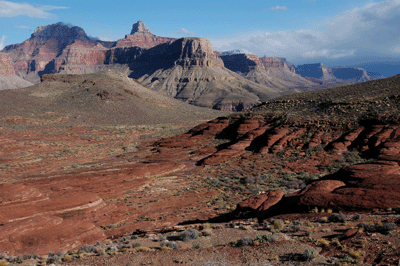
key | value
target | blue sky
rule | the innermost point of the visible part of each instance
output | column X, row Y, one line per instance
column 337, row 32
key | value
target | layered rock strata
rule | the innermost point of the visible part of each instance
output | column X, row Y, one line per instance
column 189, row 70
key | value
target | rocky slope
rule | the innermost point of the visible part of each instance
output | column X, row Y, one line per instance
column 316, row 132
column 189, row 70
column 340, row 74
column 78, row 99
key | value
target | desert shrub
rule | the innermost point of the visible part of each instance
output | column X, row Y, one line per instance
column 323, row 242
column 206, row 232
column 53, row 259
column 196, row 245
column 397, row 210
column 35, row 256
column 245, row 241
column 26, row 257
column 277, row 224
column 367, row 227
column 188, row 235
column 18, row 259
column 2, row 256
column 309, row 254
column 66, row 258
column 136, row 244
column 112, row 249
column 169, row 244
column 357, row 217
column 295, row 228
column 88, row 248
column 337, row 218
column 51, row 253
column 385, row 228
column 162, row 238
column 98, row 243
column 266, row 238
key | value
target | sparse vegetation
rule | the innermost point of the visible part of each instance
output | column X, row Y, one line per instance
column 337, row 218
column 188, row 235
column 309, row 254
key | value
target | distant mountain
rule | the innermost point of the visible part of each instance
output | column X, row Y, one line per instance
column 53, row 47
column 272, row 72
column 340, row 74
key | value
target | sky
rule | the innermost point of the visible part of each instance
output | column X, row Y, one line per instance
column 356, row 33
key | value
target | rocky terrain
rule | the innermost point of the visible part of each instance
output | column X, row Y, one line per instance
column 319, row 170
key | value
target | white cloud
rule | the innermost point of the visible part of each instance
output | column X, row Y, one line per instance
column 106, row 38
column 185, row 32
column 3, row 38
column 370, row 31
column 23, row 27
column 277, row 8
column 11, row 9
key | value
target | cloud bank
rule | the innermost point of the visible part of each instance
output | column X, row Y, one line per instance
column 368, row 32
column 11, row 9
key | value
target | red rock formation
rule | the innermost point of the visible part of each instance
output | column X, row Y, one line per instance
column 36, row 55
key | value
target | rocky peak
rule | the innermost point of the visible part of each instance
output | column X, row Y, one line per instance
column 139, row 29
column 60, row 31
column 196, row 51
